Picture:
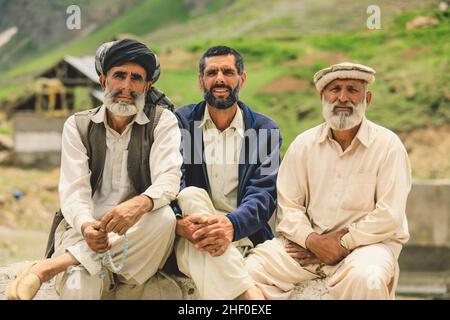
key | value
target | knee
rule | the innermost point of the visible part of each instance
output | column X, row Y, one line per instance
column 253, row 265
column 190, row 193
column 79, row 285
column 369, row 277
column 167, row 218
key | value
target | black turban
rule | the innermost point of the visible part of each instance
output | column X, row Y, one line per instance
column 115, row 53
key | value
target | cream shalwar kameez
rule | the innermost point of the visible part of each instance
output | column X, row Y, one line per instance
column 150, row 240
column 321, row 189
column 223, row 277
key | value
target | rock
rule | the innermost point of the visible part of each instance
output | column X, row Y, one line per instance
column 6, row 142
column 421, row 22
column 309, row 290
column 6, row 157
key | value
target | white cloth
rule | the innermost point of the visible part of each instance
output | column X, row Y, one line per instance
column 368, row 272
column 321, row 188
column 222, row 277
column 150, row 242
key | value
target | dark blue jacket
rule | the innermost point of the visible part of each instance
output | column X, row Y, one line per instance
column 258, row 169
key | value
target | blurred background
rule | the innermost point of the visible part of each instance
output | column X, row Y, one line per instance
column 47, row 73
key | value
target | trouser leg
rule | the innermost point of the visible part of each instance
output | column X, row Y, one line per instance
column 222, row 277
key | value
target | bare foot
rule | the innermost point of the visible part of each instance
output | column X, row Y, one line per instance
column 252, row 293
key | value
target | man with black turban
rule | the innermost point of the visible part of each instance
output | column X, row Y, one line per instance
column 120, row 169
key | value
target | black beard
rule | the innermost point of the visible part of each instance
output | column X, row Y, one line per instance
column 232, row 98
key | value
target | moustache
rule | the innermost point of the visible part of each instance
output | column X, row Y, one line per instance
column 338, row 104
column 116, row 92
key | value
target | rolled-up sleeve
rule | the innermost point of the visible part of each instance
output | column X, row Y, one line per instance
column 292, row 192
column 393, row 187
column 74, row 183
column 165, row 161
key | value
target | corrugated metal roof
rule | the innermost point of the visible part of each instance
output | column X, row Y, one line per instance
column 98, row 94
column 85, row 64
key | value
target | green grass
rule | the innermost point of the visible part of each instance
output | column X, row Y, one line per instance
column 139, row 20
column 405, row 60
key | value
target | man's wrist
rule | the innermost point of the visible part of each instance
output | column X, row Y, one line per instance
column 146, row 203
column 84, row 226
column 310, row 240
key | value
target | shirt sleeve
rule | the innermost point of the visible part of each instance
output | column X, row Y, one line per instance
column 165, row 161
column 74, row 182
column 292, row 192
column 392, row 189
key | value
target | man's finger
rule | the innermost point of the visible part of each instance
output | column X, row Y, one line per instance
column 123, row 230
column 111, row 225
column 217, row 233
column 203, row 231
column 197, row 219
column 300, row 255
column 296, row 249
column 308, row 262
column 220, row 252
column 213, row 220
column 105, row 220
column 205, row 242
column 118, row 227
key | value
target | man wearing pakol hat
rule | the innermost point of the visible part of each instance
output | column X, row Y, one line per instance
column 342, row 191
column 120, row 169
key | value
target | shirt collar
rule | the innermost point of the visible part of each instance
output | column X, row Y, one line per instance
column 363, row 134
column 141, row 118
column 237, row 123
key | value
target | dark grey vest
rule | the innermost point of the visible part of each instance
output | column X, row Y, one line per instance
column 93, row 136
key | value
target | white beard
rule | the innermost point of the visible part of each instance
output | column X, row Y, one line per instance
column 120, row 109
column 340, row 121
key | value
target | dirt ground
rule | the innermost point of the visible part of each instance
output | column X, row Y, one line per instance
column 28, row 201
column 429, row 152
column 286, row 84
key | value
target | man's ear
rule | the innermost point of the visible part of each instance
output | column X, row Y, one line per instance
column 200, row 82
column 148, row 86
column 368, row 97
column 102, row 80
column 243, row 78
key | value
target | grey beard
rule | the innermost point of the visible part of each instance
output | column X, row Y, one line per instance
column 343, row 120
column 120, row 109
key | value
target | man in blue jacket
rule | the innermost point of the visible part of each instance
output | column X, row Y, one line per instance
column 231, row 158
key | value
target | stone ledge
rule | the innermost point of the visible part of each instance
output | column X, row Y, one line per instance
column 309, row 290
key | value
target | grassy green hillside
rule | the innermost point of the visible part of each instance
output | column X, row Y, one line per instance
column 411, row 90
column 283, row 44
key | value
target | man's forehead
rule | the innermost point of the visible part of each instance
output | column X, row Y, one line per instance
column 220, row 61
column 346, row 82
column 130, row 67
